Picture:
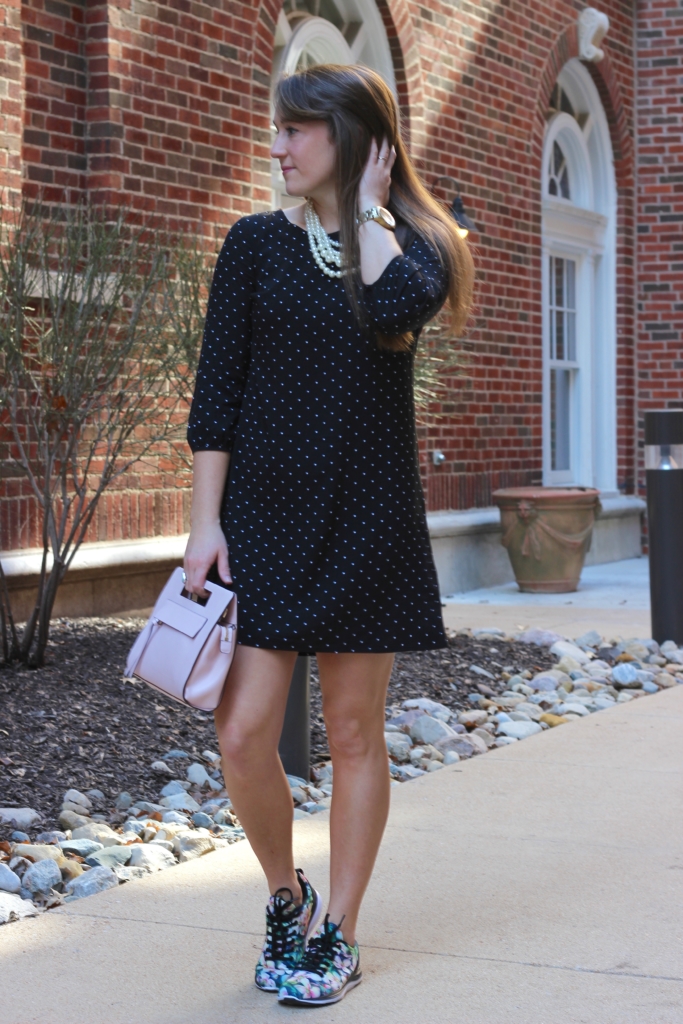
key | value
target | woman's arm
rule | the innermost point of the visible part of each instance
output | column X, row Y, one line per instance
column 207, row 543
column 214, row 416
column 378, row 245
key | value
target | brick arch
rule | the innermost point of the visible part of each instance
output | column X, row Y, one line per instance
column 567, row 46
column 405, row 53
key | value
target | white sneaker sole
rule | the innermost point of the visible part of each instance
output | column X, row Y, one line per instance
column 354, row 980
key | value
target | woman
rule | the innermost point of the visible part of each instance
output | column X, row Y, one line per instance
column 305, row 471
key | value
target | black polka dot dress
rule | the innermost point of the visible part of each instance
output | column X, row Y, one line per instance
column 323, row 509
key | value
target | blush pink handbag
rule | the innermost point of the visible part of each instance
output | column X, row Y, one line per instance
column 187, row 646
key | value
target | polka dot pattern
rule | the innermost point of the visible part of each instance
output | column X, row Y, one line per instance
column 323, row 509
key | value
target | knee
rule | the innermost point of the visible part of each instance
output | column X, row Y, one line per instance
column 349, row 738
column 240, row 747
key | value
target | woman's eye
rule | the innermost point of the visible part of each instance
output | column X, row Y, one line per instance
column 291, row 131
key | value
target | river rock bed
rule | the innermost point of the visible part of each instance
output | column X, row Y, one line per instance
column 102, row 781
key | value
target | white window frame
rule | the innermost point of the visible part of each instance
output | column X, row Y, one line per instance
column 582, row 228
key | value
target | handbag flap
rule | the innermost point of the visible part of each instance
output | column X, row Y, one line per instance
column 182, row 619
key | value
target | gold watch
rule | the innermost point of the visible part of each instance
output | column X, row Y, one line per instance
column 381, row 215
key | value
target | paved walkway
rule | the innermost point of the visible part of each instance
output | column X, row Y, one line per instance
column 537, row 884
column 613, row 598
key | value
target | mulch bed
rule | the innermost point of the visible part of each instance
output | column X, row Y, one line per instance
column 77, row 722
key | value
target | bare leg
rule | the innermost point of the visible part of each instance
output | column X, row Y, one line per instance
column 354, row 690
column 248, row 723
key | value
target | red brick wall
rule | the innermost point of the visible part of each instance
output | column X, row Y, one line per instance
column 660, row 209
column 175, row 117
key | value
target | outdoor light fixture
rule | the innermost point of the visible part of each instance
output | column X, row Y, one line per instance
column 664, row 474
column 465, row 223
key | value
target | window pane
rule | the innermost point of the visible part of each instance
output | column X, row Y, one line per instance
column 558, row 158
column 559, row 335
column 571, row 336
column 559, row 284
column 560, row 386
column 564, row 184
column 571, row 277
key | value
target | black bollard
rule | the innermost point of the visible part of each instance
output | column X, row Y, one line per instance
column 664, row 474
column 295, row 741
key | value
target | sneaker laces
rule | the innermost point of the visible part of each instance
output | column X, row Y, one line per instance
column 281, row 925
column 319, row 955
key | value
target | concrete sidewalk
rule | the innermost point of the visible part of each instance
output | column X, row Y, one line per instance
column 536, row 884
column 613, row 598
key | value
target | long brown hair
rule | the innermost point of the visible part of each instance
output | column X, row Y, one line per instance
column 358, row 106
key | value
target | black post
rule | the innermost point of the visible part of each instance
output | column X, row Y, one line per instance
column 664, row 473
column 295, row 741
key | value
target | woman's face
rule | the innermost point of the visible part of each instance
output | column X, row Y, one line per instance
column 307, row 156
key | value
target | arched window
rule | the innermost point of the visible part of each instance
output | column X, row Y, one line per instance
column 327, row 32
column 579, row 290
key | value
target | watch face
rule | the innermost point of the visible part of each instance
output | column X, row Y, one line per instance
column 385, row 217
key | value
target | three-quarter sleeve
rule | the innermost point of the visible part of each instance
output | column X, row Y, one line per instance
column 224, row 359
column 411, row 290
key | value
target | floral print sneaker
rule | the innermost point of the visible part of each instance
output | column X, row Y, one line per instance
column 329, row 968
column 288, row 927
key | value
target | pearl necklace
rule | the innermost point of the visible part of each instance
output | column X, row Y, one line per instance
column 324, row 249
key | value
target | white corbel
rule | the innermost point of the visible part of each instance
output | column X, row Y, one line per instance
column 593, row 26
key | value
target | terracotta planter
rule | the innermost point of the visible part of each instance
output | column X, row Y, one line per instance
column 547, row 532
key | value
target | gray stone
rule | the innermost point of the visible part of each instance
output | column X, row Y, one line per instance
column 176, row 786
column 161, row 768
column 54, row 836
column 519, row 730
column 109, row 857
column 41, row 877
column 36, row 852
column 433, row 766
column 202, row 820
column 14, row 908
column 540, row 637
column 179, row 802
column 472, row 718
column 210, row 755
column 501, row 716
column 519, row 716
column 175, row 817
column 549, row 680
column 464, row 746
column 311, row 807
column 602, row 703
column 532, row 711
column 81, row 847
column 564, row 647
column 624, row 674
column 22, row 837
column 127, row 874
column 21, row 817
column 405, row 721
column 74, row 796
column 123, row 801
column 505, row 741
column 97, row 795
column 71, row 820
column 78, row 809
column 151, row 857
column 87, row 884
column 650, row 687
column 9, row 881
column 299, row 795
column 190, row 847
column 398, row 745
column 172, row 754
column 432, row 707
column 451, row 757
column 223, row 817
column 134, row 826
column 296, row 780
column 484, row 735
column 571, row 708
column 405, row 771
column 198, row 775
column 99, row 831
column 430, row 730
column 483, row 672
column 590, row 639
column 149, row 808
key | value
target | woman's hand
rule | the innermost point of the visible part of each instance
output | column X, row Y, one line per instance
column 206, row 545
column 376, row 181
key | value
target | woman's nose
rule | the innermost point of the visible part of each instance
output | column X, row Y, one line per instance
column 278, row 149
